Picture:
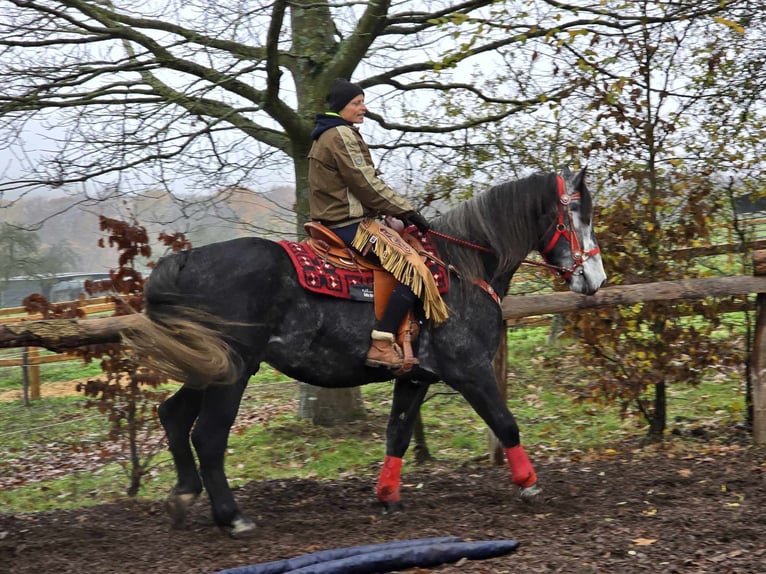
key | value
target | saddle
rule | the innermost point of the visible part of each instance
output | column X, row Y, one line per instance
column 330, row 247
column 326, row 243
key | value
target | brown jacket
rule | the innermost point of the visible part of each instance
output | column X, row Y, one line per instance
column 343, row 185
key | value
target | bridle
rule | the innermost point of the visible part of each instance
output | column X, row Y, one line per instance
column 564, row 227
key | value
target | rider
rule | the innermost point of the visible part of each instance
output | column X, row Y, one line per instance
column 344, row 188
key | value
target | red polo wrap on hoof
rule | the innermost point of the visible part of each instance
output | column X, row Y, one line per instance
column 522, row 472
column 389, row 480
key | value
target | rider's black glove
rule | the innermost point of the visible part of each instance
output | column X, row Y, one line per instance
column 418, row 221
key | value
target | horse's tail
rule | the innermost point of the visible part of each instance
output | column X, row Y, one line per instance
column 182, row 343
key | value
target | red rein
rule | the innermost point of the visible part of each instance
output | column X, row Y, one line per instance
column 564, row 228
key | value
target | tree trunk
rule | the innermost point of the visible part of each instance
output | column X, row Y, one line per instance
column 301, row 206
column 136, row 471
column 330, row 407
column 659, row 414
column 422, row 454
column 756, row 381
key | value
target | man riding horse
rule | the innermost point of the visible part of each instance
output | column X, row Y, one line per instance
column 344, row 189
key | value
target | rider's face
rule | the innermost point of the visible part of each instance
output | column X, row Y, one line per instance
column 354, row 110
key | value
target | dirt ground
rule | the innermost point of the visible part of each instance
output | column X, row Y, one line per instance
column 668, row 510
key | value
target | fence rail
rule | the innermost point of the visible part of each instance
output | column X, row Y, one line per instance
column 515, row 307
column 17, row 314
column 30, row 358
column 89, row 306
column 34, row 359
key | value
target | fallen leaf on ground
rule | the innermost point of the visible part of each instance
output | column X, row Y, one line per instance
column 644, row 541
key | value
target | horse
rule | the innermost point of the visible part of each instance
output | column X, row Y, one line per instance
column 215, row 313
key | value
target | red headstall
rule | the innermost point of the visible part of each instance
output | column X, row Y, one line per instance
column 565, row 228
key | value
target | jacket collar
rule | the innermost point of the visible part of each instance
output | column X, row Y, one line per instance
column 324, row 122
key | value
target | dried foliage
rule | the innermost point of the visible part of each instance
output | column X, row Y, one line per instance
column 633, row 353
column 128, row 393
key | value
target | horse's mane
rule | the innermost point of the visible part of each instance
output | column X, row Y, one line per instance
column 506, row 219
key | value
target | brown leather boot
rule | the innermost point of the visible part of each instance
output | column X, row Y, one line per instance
column 384, row 352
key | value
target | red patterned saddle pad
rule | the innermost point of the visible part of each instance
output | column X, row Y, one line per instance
column 317, row 274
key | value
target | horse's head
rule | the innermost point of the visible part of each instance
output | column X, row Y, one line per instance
column 569, row 245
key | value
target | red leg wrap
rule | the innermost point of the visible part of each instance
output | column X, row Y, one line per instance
column 522, row 472
column 389, row 480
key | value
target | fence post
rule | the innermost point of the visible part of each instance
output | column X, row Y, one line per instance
column 25, row 375
column 30, row 373
column 758, row 358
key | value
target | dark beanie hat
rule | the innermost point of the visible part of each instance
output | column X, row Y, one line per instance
column 341, row 93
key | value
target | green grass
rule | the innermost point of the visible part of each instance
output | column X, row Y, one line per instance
column 269, row 442
column 58, row 436
column 83, row 489
column 51, row 419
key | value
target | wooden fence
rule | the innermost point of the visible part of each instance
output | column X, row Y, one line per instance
column 30, row 358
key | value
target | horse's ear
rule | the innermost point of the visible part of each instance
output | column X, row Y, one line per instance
column 587, row 200
column 566, row 172
column 579, row 179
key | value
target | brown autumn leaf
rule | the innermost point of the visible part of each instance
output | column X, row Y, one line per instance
column 644, row 541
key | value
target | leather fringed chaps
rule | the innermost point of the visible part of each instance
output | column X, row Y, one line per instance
column 403, row 262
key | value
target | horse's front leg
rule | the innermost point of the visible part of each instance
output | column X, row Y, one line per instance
column 210, row 437
column 408, row 397
column 177, row 415
column 482, row 394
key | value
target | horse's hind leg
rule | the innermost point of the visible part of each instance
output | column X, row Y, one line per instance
column 408, row 397
column 483, row 395
column 210, row 437
column 177, row 415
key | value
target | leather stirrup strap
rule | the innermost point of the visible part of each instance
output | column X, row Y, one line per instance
column 404, row 338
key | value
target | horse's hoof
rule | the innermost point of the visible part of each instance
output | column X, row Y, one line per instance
column 240, row 527
column 177, row 506
column 530, row 494
column 392, row 507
